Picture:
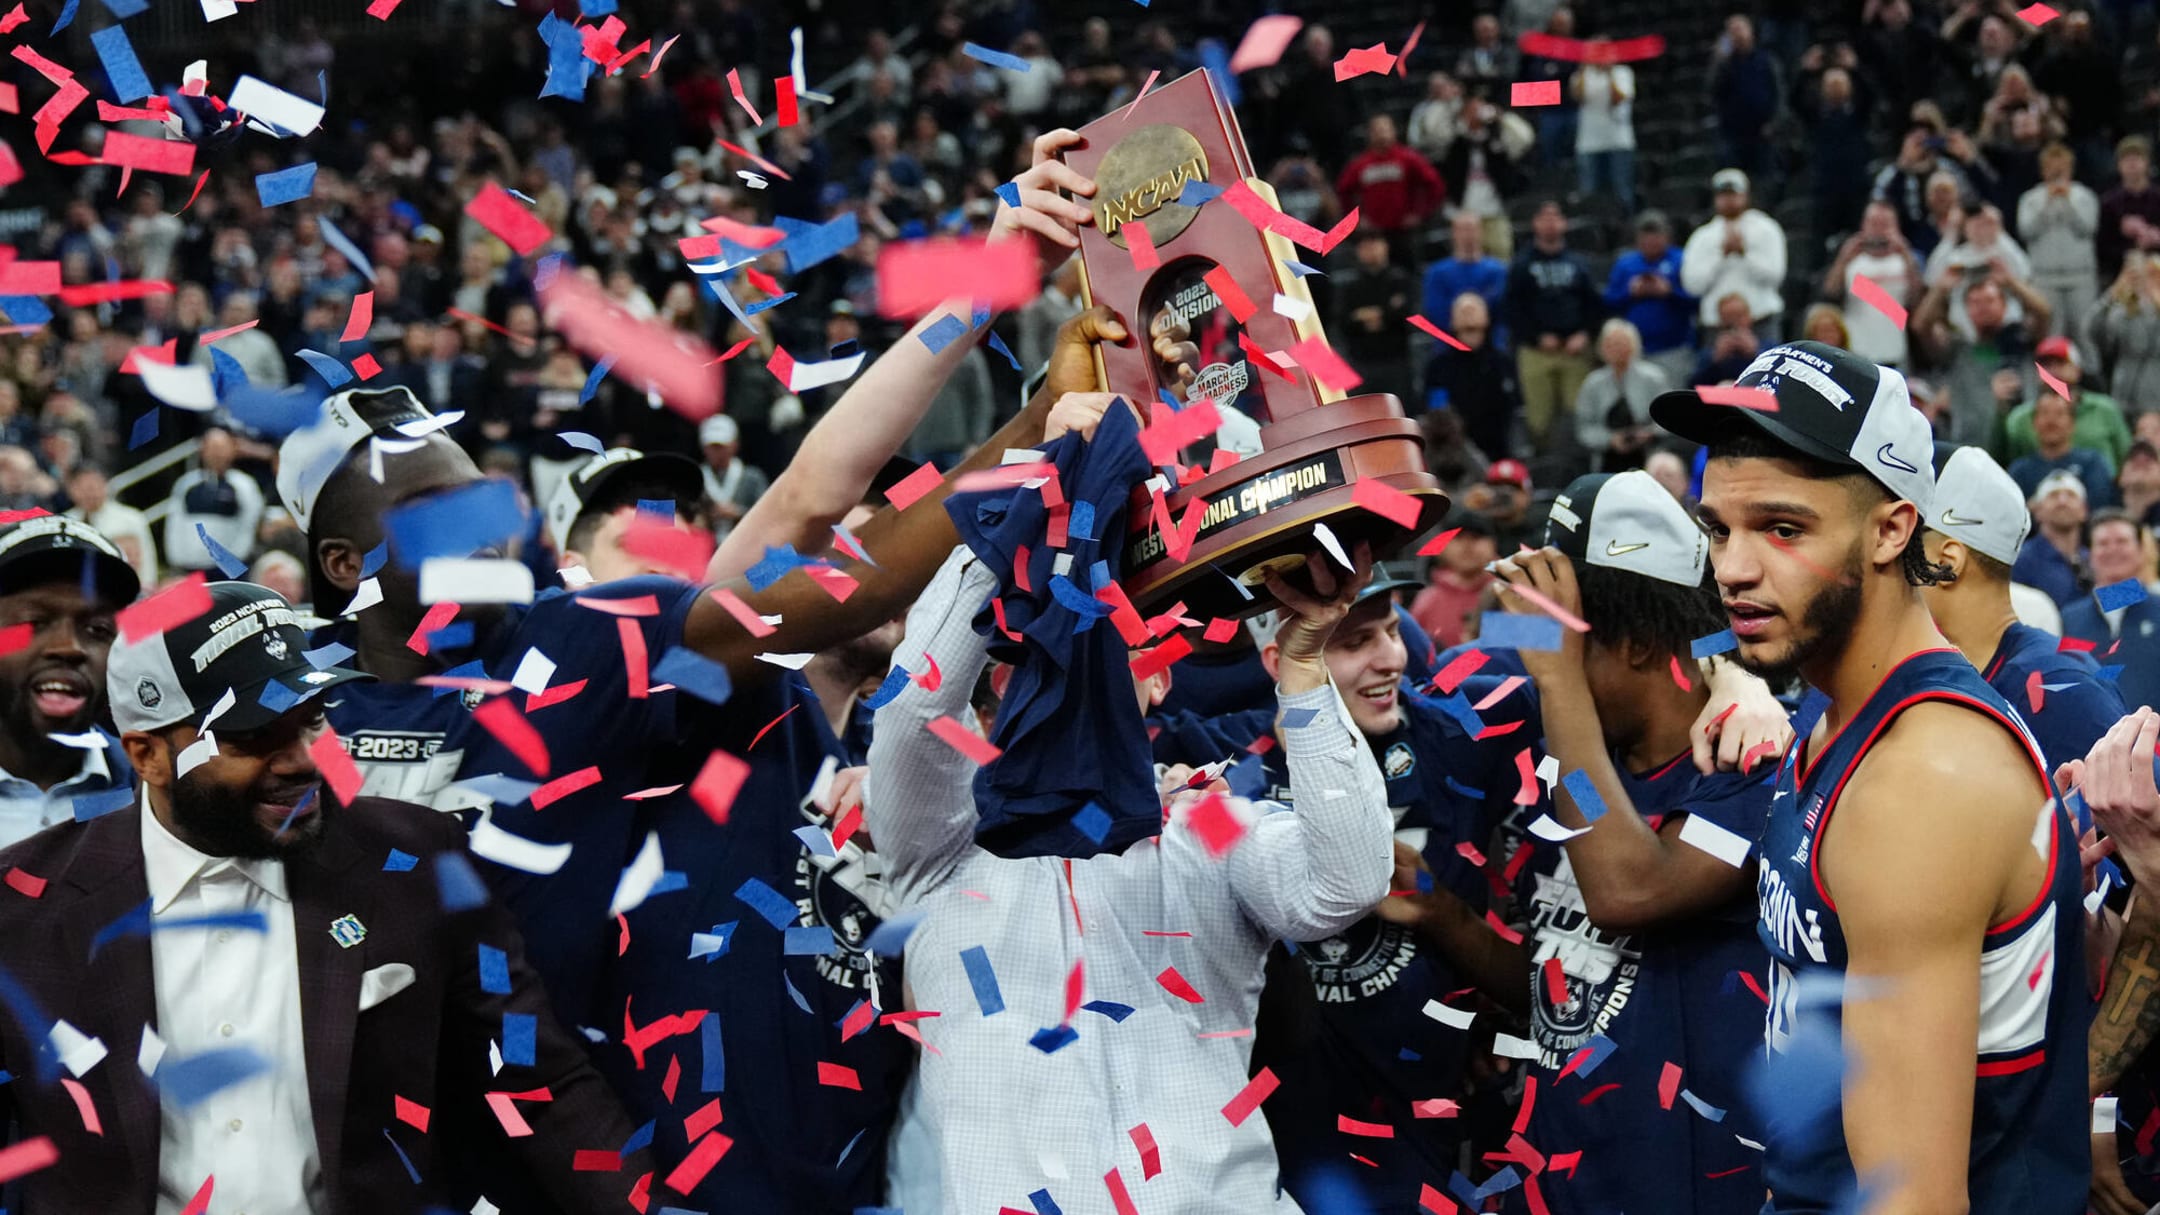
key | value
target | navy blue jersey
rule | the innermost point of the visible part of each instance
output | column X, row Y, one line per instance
column 2030, row 1147
column 2059, row 694
column 1352, row 1040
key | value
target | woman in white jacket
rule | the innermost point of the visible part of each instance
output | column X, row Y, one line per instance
column 2058, row 218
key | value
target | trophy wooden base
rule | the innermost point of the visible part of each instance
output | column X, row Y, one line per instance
column 1259, row 513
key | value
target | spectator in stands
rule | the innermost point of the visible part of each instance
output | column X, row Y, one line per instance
column 2017, row 122
column 2137, row 486
column 1371, row 323
column 1039, row 321
column 2129, row 213
column 1490, row 62
column 1483, row 165
column 1392, row 187
column 1556, row 124
column 2097, row 420
column 1612, row 415
column 1991, row 368
column 1029, row 94
column 1745, row 91
column 1552, row 305
column 1310, row 109
column 2087, row 78
column 1644, row 288
column 1824, row 323
column 281, row 572
column 126, row 527
column 226, row 505
column 1605, row 131
column 1731, row 346
column 2055, row 451
column 1303, row 192
column 2124, row 329
column 2123, row 636
column 1881, row 254
column 731, row 484
column 1903, row 56
column 1982, row 243
column 1434, row 119
column 1984, row 39
column 2058, row 219
column 2054, row 560
column 1095, row 70
column 1740, row 251
column 1457, row 581
column 17, row 429
column 1467, row 267
column 1908, row 183
column 1837, row 108
column 1504, row 499
column 1477, row 385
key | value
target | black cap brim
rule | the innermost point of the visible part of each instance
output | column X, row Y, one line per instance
column 250, row 713
column 681, row 474
column 114, row 579
column 1683, row 412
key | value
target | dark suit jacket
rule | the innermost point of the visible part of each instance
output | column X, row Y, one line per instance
column 427, row 1043
column 2136, row 649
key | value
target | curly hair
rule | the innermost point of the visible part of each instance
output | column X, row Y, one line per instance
column 1661, row 617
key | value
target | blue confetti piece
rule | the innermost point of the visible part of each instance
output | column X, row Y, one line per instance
column 596, row 9
column 762, row 305
column 1716, row 643
column 949, row 329
column 1703, row 1107
column 454, row 636
column 1515, row 632
column 480, row 515
column 795, row 995
column 333, row 373
column 2119, row 594
column 568, row 68
column 124, row 9
column 815, row 841
column 500, row 789
column 777, row 909
column 187, row 1082
column 1458, row 708
column 812, row 941
column 25, row 309
column 285, row 185
column 457, row 887
column 713, row 1074
column 2074, row 802
column 1093, row 822
column 410, row 1171
column 1499, row 1183
column 275, row 414
column 232, row 567
column 997, row 59
column 774, row 565
column 1010, row 193
column 1298, row 719
column 583, row 442
column 93, row 805
column 1424, row 881
column 896, row 681
column 522, row 197
column 122, row 69
column 639, row 1139
column 1081, row 524
column 1078, row 602
column 520, row 1039
column 343, row 244
column 399, row 861
column 1054, row 1039
column 714, row 944
column 145, row 429
column 670, row 880
column 494, row 971
column 277, row 698
column 226, row 373
column 327, row 656
column 1108, row 1008
column 983, row 979
column 998, row 344
column 1198, row 194
column 979, row 316
column 372, row 561
column 592, row 381
column 1042, row 1202
column 1301, row 269
column 695, row 674
column 1584, row 791
column 1462, row 790
column 661, row 509
column 67, row 15
column 1599, row 1048
column 808, row 244
column 890, row 938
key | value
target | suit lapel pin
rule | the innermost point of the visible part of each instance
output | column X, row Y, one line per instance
column 348, row 931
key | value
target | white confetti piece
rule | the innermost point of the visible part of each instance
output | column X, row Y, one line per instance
column 273, row 105
column 791, row 662
column 533, row 672
column 475, row 580
column 151, row 1052
column 1727, row 846
column 1296, row 309
column 77, row 1051
column 366, row 596
column 185, row 387
column 1449, row 1015
column 638, row 878
column 1508, row 1046
column 491, row 842
column 1548, row 828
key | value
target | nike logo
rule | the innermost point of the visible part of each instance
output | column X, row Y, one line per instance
column 1884, row 455
column 1951, row 517
column 1613, row 548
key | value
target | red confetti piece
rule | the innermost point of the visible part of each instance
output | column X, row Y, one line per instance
column 1750, row 982
column 845, row 829
column 493, row 208
column 366, row 367
column 1756, row 752
column 1248, row 1099
column 915, row 277
column 673, row 1077
column 686, row 1176
column 1142, row 247
column 1150, row 1155
column 1160, row 658
column 1370, row 1130
column 2033, row 690
column 1120, row 1200
column 1233, row 297
column 1430, row 1199
column 744, row 614
column 2076, row 645
column 1668, row 1085
column 860, row 1018
column 28, row 1157
column 148, row 153
column 381, row 9
column 336, row 765
column 482, row 321
column 1409, row 45
column 201, row 1202
column 563, row 786
column 1600, row 1091
column 1575, row 50
column 1437, row 333
column 734, row 83
column 412, row 1114
column 1262, row 359
column 500, row 718
column 1871, row 293
column 637, row 670
column 1522, row 1112
column 910, row 489
column 2037, row 14
column 1534, row 92
column 15, row 637
column 1498, row 731
column 832, row 1075
column 2054, row 385
column 682, row 552
column 1401, row 509
column 1368, row 60
column 553, row 696
column 1679, row 676
column 26, row 884
column 671, row 363
column 1437, row 1107
column 968, row 743
column 1175, row 984
column 1759, row 399
column 84, row 1107
column 360, row 319
column 1216, row 825
column 15, row 17
column 1219, row 630
column 1459, row 668
column 717, row 784
column 1529, row 791
column 434, row 620
column 1548, row 607
column 706, row 1118
column 786, row 112
column 757, row 160
column 1555, row 981
column 168, row 609
column 1168, row 433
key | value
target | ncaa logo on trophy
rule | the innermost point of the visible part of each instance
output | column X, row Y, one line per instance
column 1209, row 272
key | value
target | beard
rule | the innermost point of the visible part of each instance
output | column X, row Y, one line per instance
column 220, row 820
column 1823, row 625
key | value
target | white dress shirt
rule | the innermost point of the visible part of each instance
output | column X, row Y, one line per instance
column 1757, row 275
column 26, row 809
column 220, row 988
column 1013, row 1119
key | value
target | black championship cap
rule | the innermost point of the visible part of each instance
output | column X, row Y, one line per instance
column 684, row 480
column 1832, row 405
column 249, row 643
column 53, row 548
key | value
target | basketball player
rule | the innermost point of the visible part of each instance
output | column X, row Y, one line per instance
column 1949, row 860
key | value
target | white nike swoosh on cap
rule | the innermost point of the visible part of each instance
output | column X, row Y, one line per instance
column 1951, row 517
column 1613, row 548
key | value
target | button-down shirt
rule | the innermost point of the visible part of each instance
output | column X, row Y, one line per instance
column 1001, row 937
column 220, row 988
column 26, row 809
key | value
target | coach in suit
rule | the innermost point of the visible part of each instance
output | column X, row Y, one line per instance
column 239, row 984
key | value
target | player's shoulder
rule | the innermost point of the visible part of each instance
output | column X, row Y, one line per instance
column 1941, row 756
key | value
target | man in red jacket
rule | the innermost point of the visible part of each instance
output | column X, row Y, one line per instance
column 1396, row 187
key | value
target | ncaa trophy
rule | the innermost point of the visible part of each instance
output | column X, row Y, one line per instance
column 1257, row 514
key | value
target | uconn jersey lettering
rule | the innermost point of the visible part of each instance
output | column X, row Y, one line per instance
column 2030, row 1153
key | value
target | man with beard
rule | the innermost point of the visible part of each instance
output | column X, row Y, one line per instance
column 1949, row 860
column 335, row 967
column 60, row 584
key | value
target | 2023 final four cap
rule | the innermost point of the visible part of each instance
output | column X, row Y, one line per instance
column 250, row 642
column 1832, row 405
column 1628, row 522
